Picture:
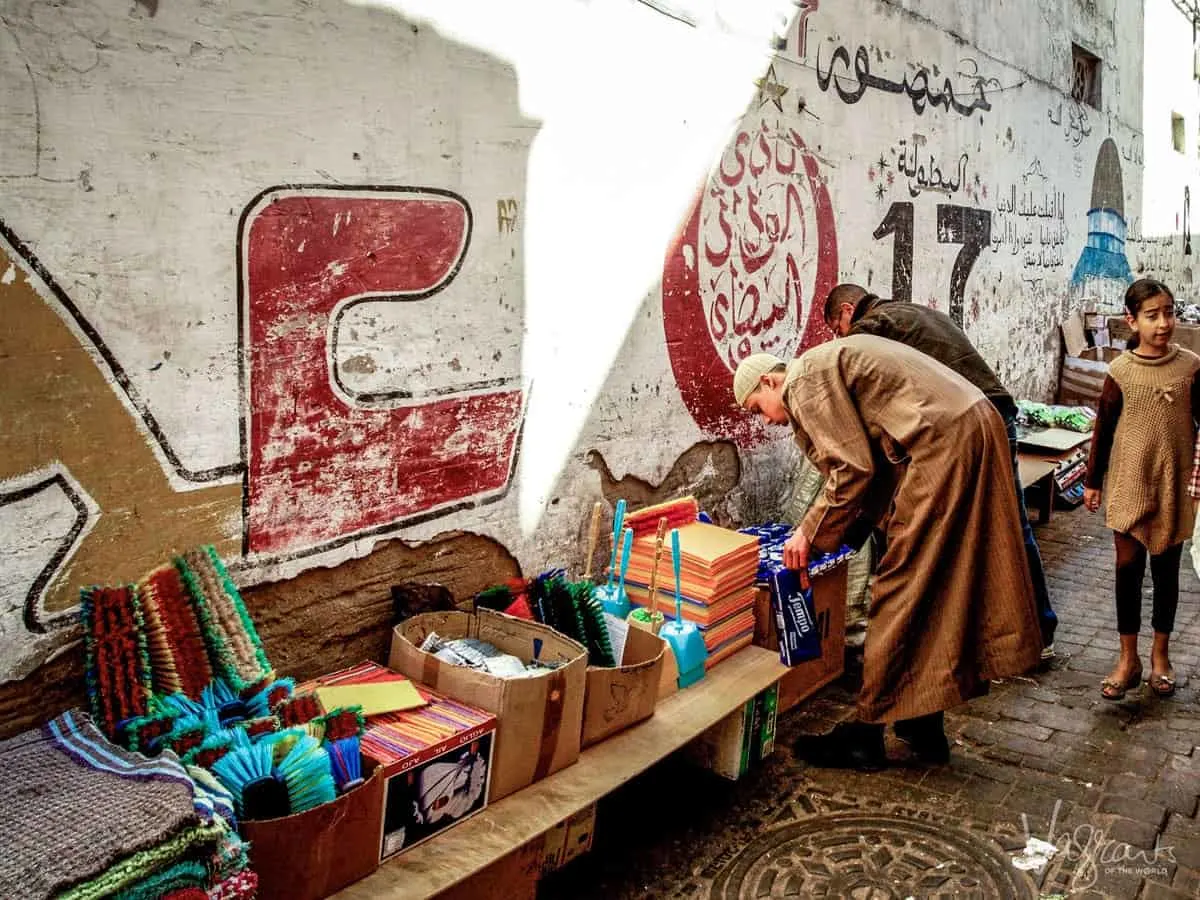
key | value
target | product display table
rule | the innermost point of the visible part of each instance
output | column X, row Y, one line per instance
column 1037, row 472
column 502, row 829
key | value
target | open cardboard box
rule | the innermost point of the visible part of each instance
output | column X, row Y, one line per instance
column 318, row 852
column 540, row 717
column 622, row 696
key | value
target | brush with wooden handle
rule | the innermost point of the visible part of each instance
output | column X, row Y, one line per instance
column 648, row 618
column 593, row 538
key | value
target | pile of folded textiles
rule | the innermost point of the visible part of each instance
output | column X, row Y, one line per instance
column 174, row 663
column 82, row 819
column 181, row 691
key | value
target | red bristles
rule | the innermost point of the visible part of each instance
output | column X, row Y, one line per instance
column 343, row 723
column 298, row 709
column 678, row 513
column 173, row 635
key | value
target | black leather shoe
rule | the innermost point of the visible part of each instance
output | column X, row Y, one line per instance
column 926, row 736
column 851, row 745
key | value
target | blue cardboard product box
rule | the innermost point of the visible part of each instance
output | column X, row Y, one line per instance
column 799, row 639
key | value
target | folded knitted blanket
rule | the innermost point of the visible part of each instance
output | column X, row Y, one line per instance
column 243, row 886
column 187, row 873
column 146, row 863
column 72, row 805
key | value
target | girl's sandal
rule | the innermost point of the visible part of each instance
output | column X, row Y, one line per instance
column 1111, row 689
column 1162, row 684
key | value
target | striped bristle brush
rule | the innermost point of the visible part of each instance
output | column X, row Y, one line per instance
column 307, row 772
column 210, row 751
column 263, row 701
column 298, row 709
column 185, row 737
column 178, row 657
column 259, row 726
column 117, row 663
column 247, row 772
column 145, row 734
column 567, row 615
column 343, row 728
column 595, row 629
column 233, row 644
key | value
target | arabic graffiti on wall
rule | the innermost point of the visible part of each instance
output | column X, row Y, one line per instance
column 1030, row 224
column 326, row 463
column 964, row 225
column 920, row 87
column 921, row 170
column 757, row 254
column 1073, row 117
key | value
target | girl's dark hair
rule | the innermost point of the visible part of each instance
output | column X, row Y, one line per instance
column 1139, row 292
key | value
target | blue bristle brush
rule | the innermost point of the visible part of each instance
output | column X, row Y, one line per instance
column 247, row 771
column 342, row 729
column 221, row 697
column 307, row 774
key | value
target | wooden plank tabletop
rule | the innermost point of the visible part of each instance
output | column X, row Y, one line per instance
column 463, row 850
column 1033, row 469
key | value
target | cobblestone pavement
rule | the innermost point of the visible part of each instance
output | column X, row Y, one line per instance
column 1113, row 786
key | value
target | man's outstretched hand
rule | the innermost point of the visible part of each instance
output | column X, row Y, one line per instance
column 795, row 555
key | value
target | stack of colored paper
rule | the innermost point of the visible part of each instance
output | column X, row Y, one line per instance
column 717, row 571
column 394, row 736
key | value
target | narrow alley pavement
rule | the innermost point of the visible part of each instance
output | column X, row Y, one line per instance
column 1112, row 786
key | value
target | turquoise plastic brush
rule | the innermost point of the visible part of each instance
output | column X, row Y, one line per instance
column 618, row 521
column 684, row 637
column 614, row 597
column 246, row 772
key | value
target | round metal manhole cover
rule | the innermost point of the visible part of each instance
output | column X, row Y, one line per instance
column 869, row 857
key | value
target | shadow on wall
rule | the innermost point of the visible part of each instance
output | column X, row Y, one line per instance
column 379, row 310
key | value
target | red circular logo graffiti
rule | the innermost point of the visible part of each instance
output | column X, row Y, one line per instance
column 749, row 273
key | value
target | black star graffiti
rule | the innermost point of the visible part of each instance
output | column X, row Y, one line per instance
column 882, row 163
column 770, row 90
column 879, row 191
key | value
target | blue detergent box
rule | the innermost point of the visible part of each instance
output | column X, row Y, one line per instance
column 799, row 639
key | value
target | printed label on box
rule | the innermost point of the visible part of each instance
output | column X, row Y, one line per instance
column 441, row 792
column 799, row 639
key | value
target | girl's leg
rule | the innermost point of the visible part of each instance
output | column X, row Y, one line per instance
column 1164, row 569
column 1131, row 569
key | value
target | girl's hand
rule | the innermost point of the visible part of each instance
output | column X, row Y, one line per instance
column 795, row 555
column 1091, row 498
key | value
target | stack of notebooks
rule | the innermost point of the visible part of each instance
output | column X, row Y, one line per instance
column 717, row 574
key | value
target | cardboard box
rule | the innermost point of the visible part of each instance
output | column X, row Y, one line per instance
column 436, row 789
column 568, row 840
column 742, row 738
column 512, row 877
column 435, row 759
column 616, row 698
column 540, row 717
column 795, row 620
column 1082, row 377
column 318, row 852
column 829, row 612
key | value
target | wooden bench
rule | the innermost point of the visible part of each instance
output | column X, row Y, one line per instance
column 483, row 857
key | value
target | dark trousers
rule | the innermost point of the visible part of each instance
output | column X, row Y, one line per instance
column 1047, row 618
column 1131, row 569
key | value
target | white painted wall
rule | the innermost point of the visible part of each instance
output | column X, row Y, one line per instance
column 130, row 145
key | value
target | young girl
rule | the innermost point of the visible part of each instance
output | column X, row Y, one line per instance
column 1142, row 456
